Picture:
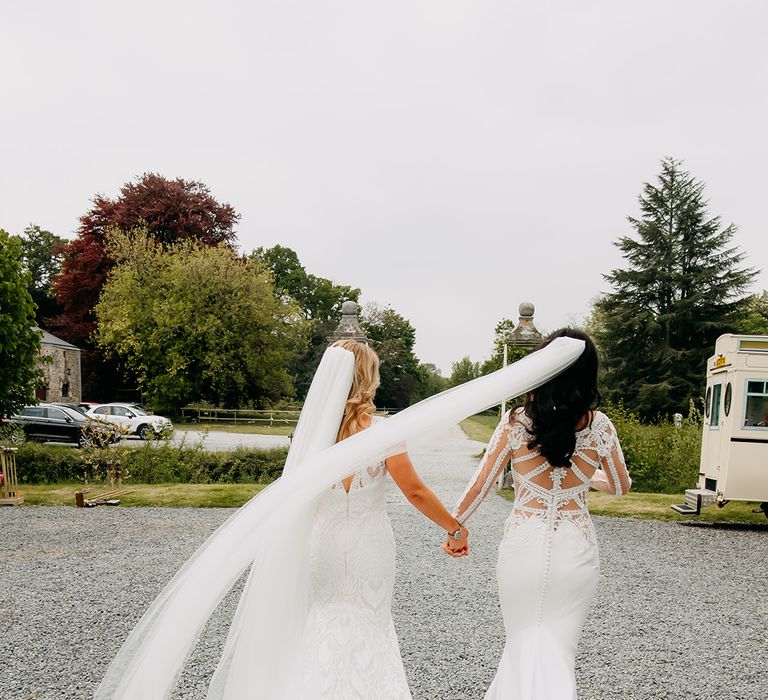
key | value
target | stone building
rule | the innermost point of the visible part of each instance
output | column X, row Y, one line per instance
column 62, row 373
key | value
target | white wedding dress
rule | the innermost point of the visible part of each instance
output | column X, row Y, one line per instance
column 293, row 584
column 350, row 648
column 548, row 562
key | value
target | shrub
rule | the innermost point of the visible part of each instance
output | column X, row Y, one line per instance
column 661, row 458
column 11, row 435
column 43, row 464
column 151, row 464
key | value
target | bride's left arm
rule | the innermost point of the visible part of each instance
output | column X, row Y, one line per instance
column 421, row 496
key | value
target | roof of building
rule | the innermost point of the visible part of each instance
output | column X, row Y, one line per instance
column 50, row 339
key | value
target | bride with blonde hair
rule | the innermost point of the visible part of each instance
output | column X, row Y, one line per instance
column 350, row 647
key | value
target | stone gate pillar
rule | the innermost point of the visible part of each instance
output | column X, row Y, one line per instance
column 525, row 335
column 349, row 326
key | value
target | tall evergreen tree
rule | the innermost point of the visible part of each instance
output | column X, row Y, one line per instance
column 680, row 290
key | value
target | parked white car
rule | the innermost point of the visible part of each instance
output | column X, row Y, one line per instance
column 135, row 419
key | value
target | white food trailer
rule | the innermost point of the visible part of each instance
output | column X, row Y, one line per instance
column 734, row 444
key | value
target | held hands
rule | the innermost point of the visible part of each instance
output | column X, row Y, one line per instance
column 457, row 548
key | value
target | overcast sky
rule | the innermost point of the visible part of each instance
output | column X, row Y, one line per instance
column 450, row 158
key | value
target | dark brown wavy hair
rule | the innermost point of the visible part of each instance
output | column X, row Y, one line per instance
column 557, row 407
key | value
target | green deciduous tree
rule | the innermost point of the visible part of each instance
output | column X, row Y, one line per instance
column 393, row 338
column 679, row 291
column 319, row 300
column 171, row 211
column 463, row 370
column 41, row 253
column 502, row 333
column 197, row 323
column 754, row 315
column 19, row 343
column 430, row 381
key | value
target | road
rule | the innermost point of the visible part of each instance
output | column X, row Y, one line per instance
column 213, row 441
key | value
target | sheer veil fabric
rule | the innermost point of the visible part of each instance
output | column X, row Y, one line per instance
column 269, row 534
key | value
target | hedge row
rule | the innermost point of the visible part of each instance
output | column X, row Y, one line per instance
column 150, row 464
column 661, row 458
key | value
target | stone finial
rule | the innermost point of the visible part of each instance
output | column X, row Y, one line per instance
column 525, row 335
column 349, row 308
column 349, row 326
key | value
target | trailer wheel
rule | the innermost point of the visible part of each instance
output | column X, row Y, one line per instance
column 764, row 508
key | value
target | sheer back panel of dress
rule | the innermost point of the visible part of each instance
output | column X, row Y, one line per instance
column 541, row 490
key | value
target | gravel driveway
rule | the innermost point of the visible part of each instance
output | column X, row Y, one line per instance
column 682, row 611
column 210, row 440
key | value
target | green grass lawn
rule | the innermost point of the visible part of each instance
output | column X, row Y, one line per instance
column 163, row 495
column 479, row 427
column 245, row 428
column 649, row 506
column 656, row 506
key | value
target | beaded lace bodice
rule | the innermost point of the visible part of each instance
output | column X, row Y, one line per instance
column 549, row 494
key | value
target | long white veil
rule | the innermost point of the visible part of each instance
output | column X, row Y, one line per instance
column 269, row 534
column 276, row 595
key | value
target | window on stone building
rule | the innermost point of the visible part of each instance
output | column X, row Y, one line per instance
column 65, row 389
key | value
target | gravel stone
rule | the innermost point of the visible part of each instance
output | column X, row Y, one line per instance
column 681, row 612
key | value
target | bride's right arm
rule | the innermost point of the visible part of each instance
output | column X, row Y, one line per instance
column 421, row 496
column 612, row 477
column 497, row 454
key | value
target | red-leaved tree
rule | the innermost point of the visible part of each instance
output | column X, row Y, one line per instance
column 172, row 211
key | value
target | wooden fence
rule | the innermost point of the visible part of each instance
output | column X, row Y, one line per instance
column 249, row 416
column 241, row 416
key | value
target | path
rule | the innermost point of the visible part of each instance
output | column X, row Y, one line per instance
column 681, row 612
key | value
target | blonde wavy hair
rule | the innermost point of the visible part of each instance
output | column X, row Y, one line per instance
column 364, row 385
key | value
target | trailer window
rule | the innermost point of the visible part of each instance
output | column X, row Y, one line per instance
column 714, row 421
column 756, row 407
column 708, row 402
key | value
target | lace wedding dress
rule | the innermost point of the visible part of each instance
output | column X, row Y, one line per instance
column 548, row 561
column 350, row 648
column 270, row 537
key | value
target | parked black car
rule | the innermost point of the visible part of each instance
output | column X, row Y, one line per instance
column 52, row 423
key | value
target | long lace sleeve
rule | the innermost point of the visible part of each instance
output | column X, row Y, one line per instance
column 613, row 476
column 496, row 456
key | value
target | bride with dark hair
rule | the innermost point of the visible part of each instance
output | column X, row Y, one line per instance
column 548, row 563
